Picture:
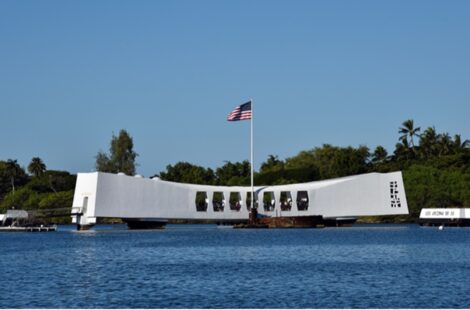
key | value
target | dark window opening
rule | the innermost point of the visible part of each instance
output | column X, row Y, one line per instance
column 269, row 202
column 235, row 201
column 302, row 200
column 286, row 201
column 248, row 200
column 218, row 201
column 201, row 201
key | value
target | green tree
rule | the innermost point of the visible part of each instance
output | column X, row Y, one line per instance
column 403, row 152
column 350, row 161
column 459, row 145
column 327, row 162
column 237, row 173
column 302, row 167
column 271, row 164
column 445, row 144
column 379, row 155
column 122, row 156
column 36, row 167
column 333, row 162
column 15, row 173
column 185, row 172
column 428, row 143
column 408, row 131
column 23, row 198
column 274, row 171
column 60, row 201
column 430, row 187
column 53, row 181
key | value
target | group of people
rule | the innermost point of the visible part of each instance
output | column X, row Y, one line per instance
column 286, row 205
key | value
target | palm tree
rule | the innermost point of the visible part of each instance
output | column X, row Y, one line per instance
column 379, row 155
column 401, row 151
column 13, row 170
column 460, row 146
column 428, row 142
column 36, row 167
column 445, row 144
column 408, row 130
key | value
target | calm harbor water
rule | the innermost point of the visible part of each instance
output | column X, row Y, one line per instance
column 203, row 266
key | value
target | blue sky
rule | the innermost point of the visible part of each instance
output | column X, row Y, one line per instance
column 169, row 72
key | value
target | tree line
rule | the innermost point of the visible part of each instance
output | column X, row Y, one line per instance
column 39, row 190
column 436, row 171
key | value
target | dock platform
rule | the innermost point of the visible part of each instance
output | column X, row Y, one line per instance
column 28, row 228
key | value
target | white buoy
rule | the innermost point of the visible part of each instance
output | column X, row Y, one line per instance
column 441, row 227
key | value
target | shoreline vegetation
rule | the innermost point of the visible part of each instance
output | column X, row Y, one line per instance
column 435, row 166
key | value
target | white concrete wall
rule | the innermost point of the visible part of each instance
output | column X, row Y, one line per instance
column 121, row 196
column 85, row 187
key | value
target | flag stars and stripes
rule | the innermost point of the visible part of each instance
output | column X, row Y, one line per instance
column 241, row 112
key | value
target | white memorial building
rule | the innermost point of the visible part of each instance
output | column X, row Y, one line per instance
column 138, row 199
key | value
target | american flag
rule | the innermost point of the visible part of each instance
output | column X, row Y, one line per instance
column 240, row 113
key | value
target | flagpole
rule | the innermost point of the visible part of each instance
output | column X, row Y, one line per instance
column 253, row 200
